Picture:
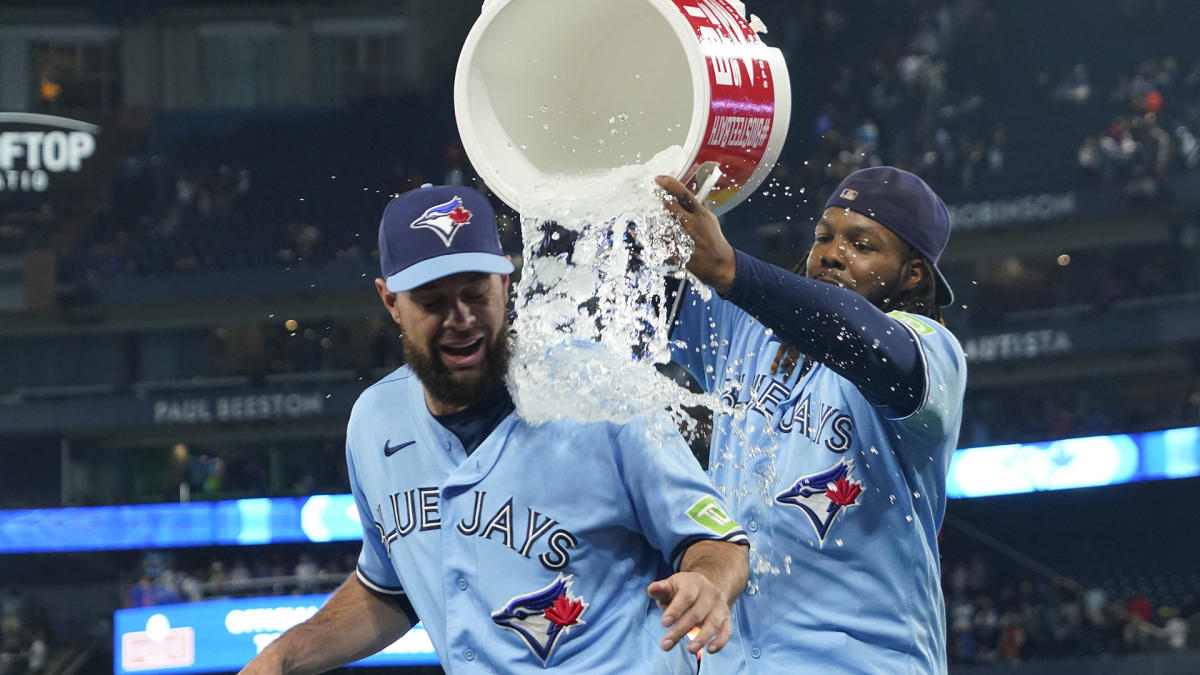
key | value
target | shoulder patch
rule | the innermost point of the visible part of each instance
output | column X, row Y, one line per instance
column 912, row 322
column 709, row 514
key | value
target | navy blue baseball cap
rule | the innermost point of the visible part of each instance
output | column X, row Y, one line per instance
column 904, row 204
column 435, row 231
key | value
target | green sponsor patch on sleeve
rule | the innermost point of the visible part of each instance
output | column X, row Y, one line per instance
column 912, row 322
column 709, row 514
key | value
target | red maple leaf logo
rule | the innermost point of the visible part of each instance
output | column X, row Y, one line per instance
column 564, row 612
column 460, row 215
column 842, row 492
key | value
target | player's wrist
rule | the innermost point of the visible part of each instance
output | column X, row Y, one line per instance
column 718, row 270
column 726, row 270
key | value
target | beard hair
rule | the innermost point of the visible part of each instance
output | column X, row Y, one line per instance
column 445, row 387
column 882, row 297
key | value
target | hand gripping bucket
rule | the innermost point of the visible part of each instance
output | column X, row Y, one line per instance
column 568, row 86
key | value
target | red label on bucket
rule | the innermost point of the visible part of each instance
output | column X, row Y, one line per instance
column 742, row 103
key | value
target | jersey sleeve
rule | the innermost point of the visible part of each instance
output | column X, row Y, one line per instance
column 375, row 569
column 674, row 503
column 939, row 411
column 701, row 332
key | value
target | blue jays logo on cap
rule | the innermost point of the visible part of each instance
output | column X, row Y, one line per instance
column 823, row 495
column 444, row 219
column 423, row 236
column 544, row 616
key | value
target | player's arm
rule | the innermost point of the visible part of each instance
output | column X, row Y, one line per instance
column 829, row 324
column 711, row 576
column 353, row 624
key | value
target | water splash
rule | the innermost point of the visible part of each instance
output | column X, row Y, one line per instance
column 590, row 324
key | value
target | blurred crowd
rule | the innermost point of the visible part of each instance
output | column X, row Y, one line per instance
column 1076, row 411
column 101, row 475
column 161, row 580
column 23, row 635
column 995, row 619
column 1153, row 135
column 26, row 219
column 895, row 101
column 256, row 350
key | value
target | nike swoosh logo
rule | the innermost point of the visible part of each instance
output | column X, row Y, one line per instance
column 389, row 450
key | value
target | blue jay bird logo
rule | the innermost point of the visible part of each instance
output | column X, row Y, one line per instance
column 543, row 616
column 822, row 496
column 444, row 219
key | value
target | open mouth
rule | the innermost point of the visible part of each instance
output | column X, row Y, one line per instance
column 831, row 279
column 462, row 355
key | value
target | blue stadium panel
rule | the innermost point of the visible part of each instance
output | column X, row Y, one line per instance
column 236, row 522
column 1074, row 463
column 974, row 472
column 223, row 635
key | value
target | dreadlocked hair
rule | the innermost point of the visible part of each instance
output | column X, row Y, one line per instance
column 920, row 299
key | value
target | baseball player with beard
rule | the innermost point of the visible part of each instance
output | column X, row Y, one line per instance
column 520, row 548
column 847, row 394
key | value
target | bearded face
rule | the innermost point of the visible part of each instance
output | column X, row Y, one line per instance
column 459, row 373
column 455, row 334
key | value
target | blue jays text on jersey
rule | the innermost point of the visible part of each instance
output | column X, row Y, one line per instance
column 822, row 423
column 536, row 549
column 842, row 498
column 421, row 515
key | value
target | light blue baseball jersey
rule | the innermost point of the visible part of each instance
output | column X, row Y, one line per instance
column 841, row 499
column 536, row 549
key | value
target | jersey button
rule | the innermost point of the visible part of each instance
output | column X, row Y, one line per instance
column 469, row 654
column 462, row 584
column 752, row 526
column 756, row 652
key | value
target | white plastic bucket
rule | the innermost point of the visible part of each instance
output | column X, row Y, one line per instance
column 565, row 86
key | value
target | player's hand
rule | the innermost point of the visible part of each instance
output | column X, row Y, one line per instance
column 690, row 600
column 713, row 261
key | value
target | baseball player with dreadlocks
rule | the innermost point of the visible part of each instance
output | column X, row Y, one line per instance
column 846, row 391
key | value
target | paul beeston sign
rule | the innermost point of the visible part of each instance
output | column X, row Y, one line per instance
column 239, row 408
column 34, row 147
